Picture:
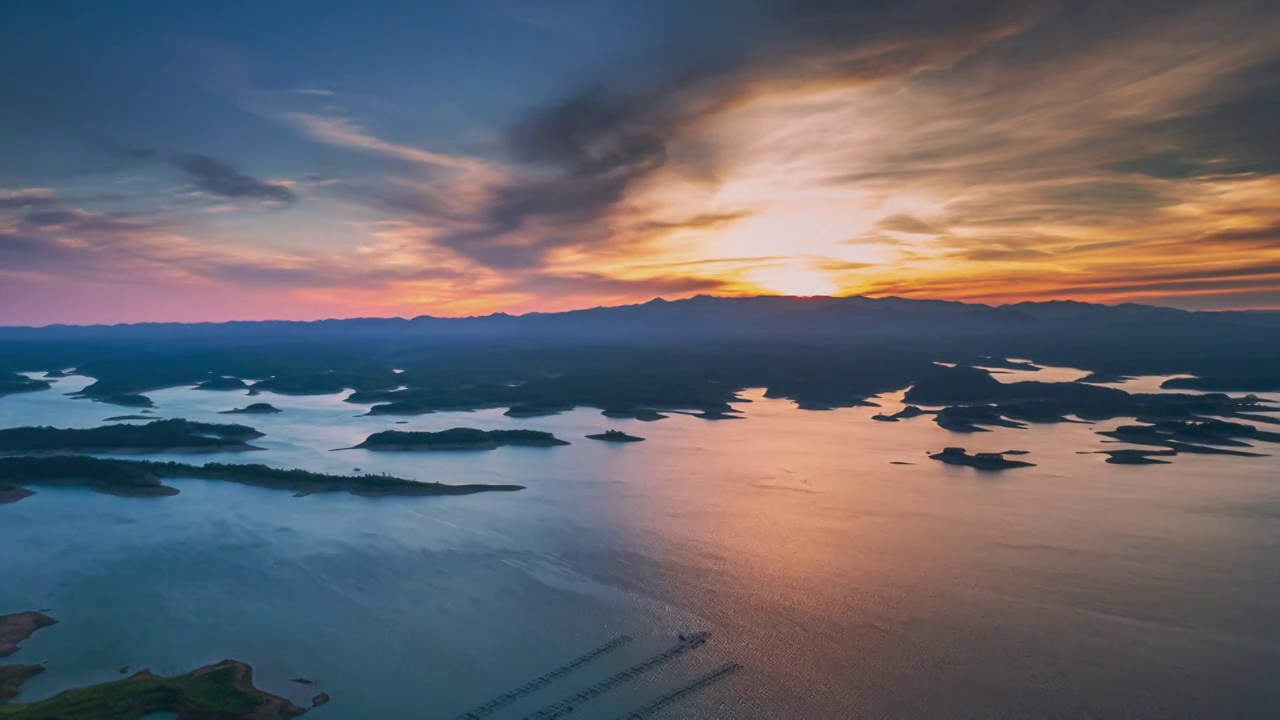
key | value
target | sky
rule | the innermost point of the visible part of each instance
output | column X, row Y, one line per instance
column 182, row 161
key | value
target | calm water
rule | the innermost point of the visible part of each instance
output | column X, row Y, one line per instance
column 848, row 587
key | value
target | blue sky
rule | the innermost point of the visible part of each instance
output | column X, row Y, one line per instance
column 191, row 161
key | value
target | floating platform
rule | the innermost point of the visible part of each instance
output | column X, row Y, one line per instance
column 567, row 705
column 699, row 683
column 542, row 681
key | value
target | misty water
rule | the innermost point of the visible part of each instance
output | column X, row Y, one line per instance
column 846, row 586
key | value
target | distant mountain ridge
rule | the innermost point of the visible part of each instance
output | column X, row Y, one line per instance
column 724, row 316
column 822, row 351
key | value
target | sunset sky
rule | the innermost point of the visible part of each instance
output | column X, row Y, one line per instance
column 250, row 160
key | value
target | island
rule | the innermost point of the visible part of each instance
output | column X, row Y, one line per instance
column 615, row 436
column 157, row 436
column 1180, row 433
column 1052, row 402
column 399, row 408
column 254, row 409
column 633, row 413
column 222, row 691
column 142, row 478
column 222, row 384
column 456, row 439
column 981, row 461
column 123, row 399
column 530, row 410
column 1137, row 456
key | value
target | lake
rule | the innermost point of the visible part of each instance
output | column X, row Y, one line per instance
column 846, row 586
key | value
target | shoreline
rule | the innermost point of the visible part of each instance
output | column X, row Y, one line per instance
column 142, row 478
column 224, row 689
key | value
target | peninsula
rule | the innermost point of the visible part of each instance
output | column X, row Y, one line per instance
column 457, row 439
column 11, row 382
column 13, row 630
column 222, row 691
column 223, row 384
column 142, row 478
column 159, row 436
column 18, row 627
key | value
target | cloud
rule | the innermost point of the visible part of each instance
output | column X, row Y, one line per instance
column 27, row 198
column 80, row 245
column 976, row 149
column 600, row 140
column 576, row 163
column 218, row 178
column 906, row 223
column 344, row 133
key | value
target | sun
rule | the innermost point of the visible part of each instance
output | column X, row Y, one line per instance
column 793, row 280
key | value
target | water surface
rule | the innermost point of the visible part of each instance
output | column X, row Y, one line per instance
column 846, row 585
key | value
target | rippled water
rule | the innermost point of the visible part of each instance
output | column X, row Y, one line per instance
column 846, row 586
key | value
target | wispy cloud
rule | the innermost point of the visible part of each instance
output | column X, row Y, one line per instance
column 220, row 178
column 344, row 133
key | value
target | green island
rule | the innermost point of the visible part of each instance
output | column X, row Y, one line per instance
column 615, row 436
column 159, row 435
column 142, row 478
column 980, row 461
column 254, row 409
column 457, row 439
column 222, row 691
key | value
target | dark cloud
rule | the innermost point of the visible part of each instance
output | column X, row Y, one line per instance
column 310, row 273
column 586, row 150
column 19, row 250
column 1259, row 237
column 26, row 200
column 217, row 177
column 1232, row 129
column 80, row 221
